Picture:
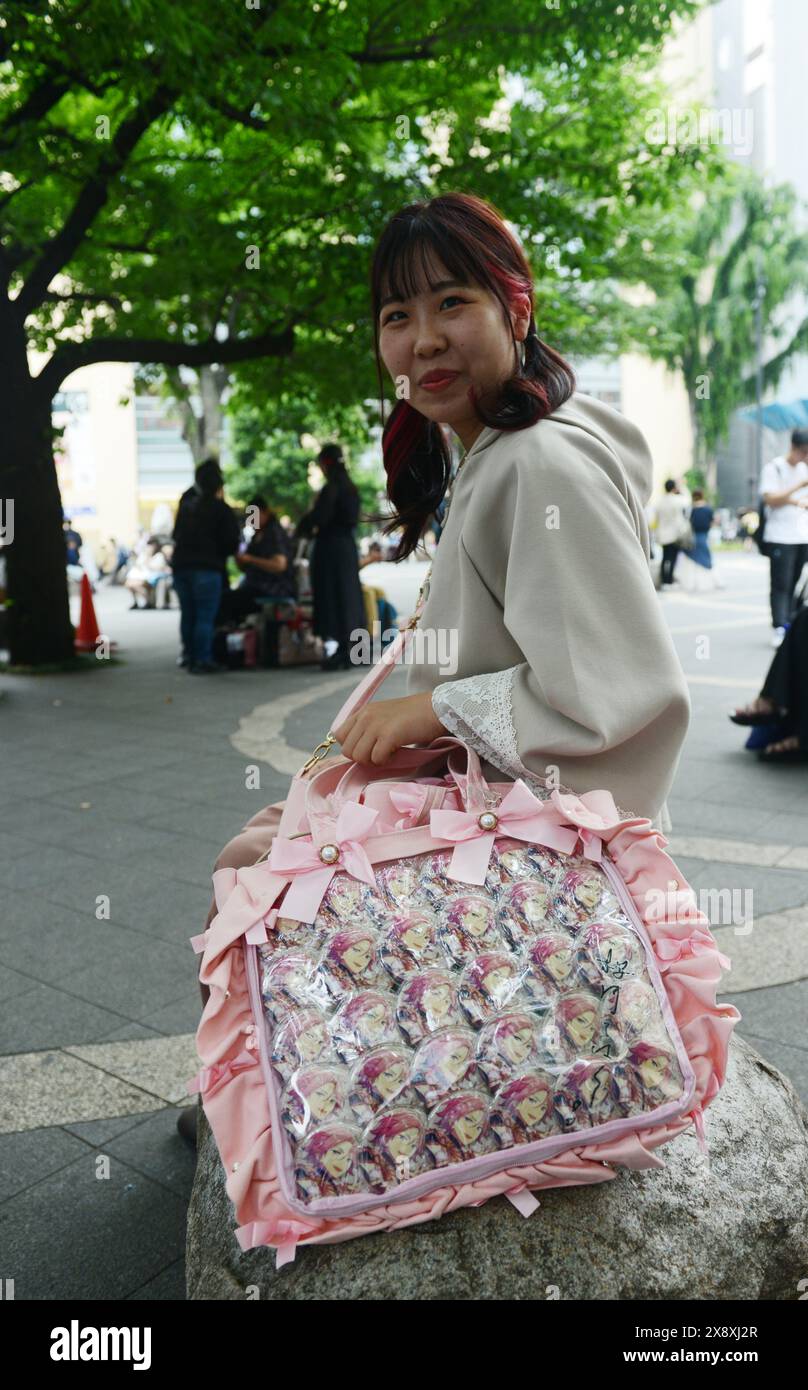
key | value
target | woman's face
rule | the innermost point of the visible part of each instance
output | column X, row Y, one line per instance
column 449, row 327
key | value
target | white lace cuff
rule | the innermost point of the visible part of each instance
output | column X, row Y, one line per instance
column 479, row 709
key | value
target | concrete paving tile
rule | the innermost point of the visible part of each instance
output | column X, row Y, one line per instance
column 181, row 1016
column 762, row 890
column 159, row 905
column 774, row 952
column 779, row 1014
column 155, row 1147
column 47, row 1017
column 134, row 979
column 29, row 1157
column 161, row 1066
column 97, row 1133
column 79, row 1236
column 167, row 1287
column 40, row 866
column 40, row 1089
column 13, row 983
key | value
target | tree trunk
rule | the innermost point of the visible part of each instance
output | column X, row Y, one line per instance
column 38, row 614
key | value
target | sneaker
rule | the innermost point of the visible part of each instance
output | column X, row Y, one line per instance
column 779, row 634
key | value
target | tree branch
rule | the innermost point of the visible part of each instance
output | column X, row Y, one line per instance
column 90, row 201
column 70, row 356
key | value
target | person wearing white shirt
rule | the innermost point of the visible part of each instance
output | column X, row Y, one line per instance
column 784, row 489
column 670, row 525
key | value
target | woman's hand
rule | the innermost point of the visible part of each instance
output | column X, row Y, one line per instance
column 372, row 734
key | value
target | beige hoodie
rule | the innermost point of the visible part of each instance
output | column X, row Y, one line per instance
column 566, row 669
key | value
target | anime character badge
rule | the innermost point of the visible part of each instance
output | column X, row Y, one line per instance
column 516, row 860
column 614, row 950
column 552, row 968
column 409, row 944
column 364, row 1021
column 586, row 1095
column 326, row 1162
column 444, row 1062
column 392, row 1149
column 288, row 981
column 582, row 895
column 578, row 1024
column 657, row 1071
column 468, row 926
column 489, row 985
column 637, row 1013
column 399, row 884
column 523, row 910
column 437, row 885
column 379, row 1078
column 458, row 1129
column 347, row 901
column 522, row 1110
column 427, row 1002
column 506, row 1045
column 301, row 1038
column 350, row 961
column 315, row 1096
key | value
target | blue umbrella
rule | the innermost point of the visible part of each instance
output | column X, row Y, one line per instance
column 780, row 416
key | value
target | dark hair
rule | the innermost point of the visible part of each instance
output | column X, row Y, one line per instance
column 208, row 477
column 697, row 492
column 332, row 453
column 670, row 485
column 261, row 505
column 799, row 439
column 471, row 239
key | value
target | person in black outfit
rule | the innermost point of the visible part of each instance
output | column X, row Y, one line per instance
column 206, row 531
column 267, row 562
column 339, row 608
column 783, row 699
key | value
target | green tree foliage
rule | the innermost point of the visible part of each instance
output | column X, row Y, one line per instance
column 741, row 238
column 201, row 184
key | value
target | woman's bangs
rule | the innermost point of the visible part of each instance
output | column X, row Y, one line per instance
column 408, row 264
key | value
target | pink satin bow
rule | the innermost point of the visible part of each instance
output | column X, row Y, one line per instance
column 284, row 1234
column 208, row 1076
column 410, row 802
column 699, row 943
column 300, row 861
column 594, row 813
column 520, row 814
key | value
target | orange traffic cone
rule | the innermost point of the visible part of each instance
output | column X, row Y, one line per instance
column 87, row 632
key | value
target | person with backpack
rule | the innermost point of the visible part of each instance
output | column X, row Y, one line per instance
column 784, row 492
column 206, row 532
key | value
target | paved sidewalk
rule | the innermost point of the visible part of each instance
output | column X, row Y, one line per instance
column 119, row 788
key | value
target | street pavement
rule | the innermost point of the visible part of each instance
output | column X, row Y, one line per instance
column 118, row 789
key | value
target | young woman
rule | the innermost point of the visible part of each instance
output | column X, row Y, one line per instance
column 542, row 569
column 566, row 668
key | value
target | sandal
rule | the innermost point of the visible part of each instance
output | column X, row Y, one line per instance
column 780, row 752
column 749, row 716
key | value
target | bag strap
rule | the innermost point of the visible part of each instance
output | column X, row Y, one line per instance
column 370, row 683
column 330, row 789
